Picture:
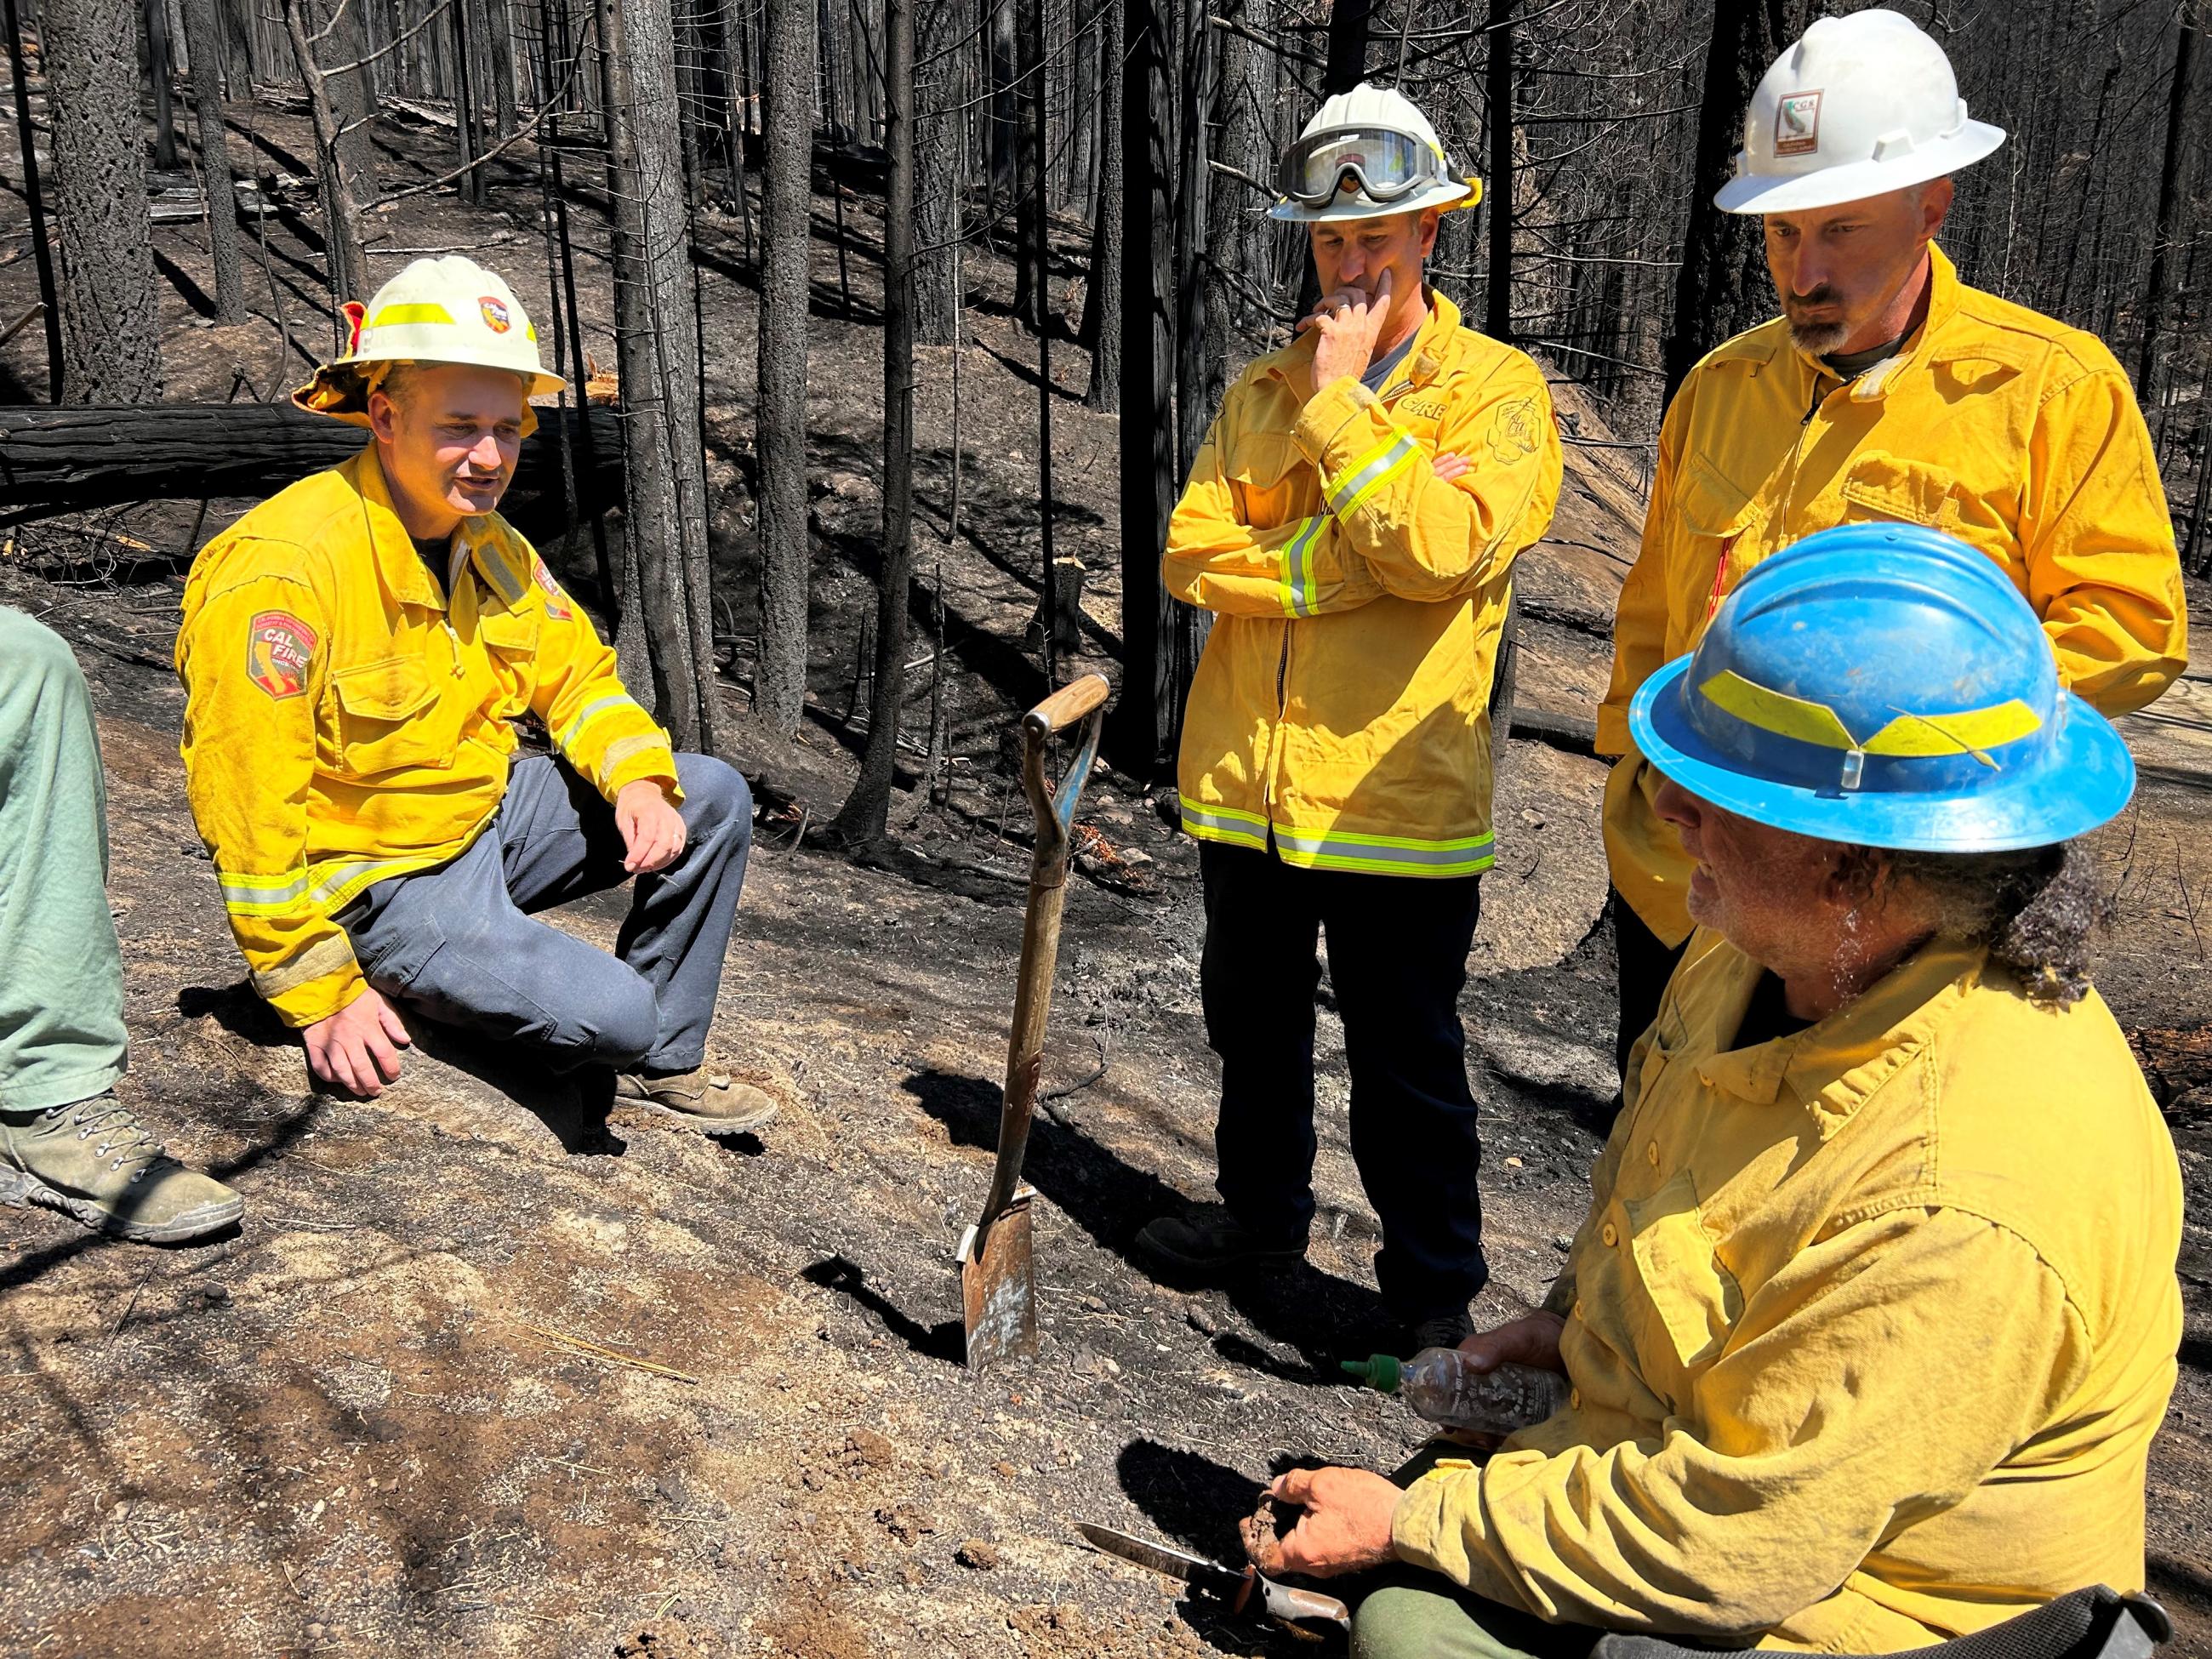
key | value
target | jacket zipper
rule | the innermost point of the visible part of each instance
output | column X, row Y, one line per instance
column 1797, row 451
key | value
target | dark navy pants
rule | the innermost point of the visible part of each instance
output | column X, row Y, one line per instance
column 459, row 942
column 1397, row 959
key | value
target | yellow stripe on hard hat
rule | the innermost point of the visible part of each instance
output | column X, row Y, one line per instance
column 1909, row 736
column 419, row 312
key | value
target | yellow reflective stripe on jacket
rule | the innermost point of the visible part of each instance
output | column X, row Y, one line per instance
column 1371, row 470
column 247, row 895
column 330, row 886
column 1299, row 594
column 1389, row 856
column 1224, row 823
column 590, row 711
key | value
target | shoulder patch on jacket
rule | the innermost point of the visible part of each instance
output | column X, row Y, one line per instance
column 279, row 648
column 1515, row 432
column 557, row 602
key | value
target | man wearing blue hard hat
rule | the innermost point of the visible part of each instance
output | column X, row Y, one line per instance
column 1864, row 1351
column 1887, row 391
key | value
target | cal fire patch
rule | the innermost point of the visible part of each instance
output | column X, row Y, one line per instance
column 495, row 313
column 557, row 602
column 279, row 648
column 1514, row 432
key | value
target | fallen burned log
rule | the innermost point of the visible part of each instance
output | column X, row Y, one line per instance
column 76, row 459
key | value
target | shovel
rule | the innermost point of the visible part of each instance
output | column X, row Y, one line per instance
column 998, row 1283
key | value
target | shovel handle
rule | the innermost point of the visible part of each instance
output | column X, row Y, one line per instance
column 1084, row 700
column 1068, row 705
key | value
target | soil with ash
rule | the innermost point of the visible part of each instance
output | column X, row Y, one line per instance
column 488, row 1370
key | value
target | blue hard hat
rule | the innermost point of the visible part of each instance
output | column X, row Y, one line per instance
column 1887, row 686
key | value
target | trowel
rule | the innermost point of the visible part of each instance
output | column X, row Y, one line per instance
column 997, row 1281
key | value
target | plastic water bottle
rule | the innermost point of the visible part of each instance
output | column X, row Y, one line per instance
column 1444, row 1386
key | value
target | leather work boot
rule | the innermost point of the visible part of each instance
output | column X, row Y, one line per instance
column 708, row 1100
column 94, row 1160
column 1441, row 1331
column 1209, row 1239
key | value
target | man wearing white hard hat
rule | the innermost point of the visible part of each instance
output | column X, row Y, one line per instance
column 1352, row 521
column 1887, row 391
column 355, row 654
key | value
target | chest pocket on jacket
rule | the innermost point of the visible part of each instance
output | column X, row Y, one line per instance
column 1265, row 471
column 1696, row 1299
column 1713, row 515
column 387, row 717
column 511, row 641
column 1880, row 485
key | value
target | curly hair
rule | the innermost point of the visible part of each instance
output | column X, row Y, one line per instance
column 2039, row 911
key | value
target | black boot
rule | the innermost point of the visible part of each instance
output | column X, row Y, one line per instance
column 1209, row 1239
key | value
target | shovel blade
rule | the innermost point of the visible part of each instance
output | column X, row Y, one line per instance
column 998, row 1290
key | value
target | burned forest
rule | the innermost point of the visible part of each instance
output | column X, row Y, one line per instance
column 890, row 334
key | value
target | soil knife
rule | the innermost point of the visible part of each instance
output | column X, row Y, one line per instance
column 998, row 1282
column 1279, row 1600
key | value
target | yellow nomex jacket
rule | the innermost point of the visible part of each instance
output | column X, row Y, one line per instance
column 344, row 723
column 2016, row 433
column 1341, row 702
column 1871, row 1326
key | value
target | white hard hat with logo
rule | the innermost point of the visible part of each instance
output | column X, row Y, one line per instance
column 1369, row 152
column 436, row 311
column 1859, row 106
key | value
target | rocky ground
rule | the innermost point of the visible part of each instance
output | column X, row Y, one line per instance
column 486, row 1370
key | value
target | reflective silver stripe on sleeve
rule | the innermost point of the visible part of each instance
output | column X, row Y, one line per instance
column 1348, row 491
column 1298, row 568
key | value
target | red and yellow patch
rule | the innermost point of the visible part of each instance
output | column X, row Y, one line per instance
column 279, row 648
column 557, row 602
column 495, row 315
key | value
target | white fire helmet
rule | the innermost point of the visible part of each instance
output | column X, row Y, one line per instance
column 1860, row 106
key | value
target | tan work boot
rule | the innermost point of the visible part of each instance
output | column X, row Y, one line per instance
column 708, row 1100
column 93, row 1161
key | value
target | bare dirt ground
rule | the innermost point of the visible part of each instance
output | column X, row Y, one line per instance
column 485, row 1371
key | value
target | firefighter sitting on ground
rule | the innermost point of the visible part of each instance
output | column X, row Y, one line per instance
column 1352, row 520
column 1887, row 391
column 355, row 651
column 1872, row 1318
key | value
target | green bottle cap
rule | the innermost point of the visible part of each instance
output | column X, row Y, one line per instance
column 1378, row 1371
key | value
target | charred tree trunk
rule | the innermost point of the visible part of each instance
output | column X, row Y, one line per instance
column 780, row 421
column 1003, row 48
column 1032, row 296
column 2172, row 193
column 204, row 43
column 657, row 350
column 1722, row 287
column 49, row 298
column 865, row 814
column 1498, row 83
column 110, row 325
column 341, row 228
column 1197, row 355
column 1102, row 296
column 1149, row 710
column 162, row 69
column 499, row 37
column 938, row 170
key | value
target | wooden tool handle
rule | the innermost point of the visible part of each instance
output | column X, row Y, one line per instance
column 1069, row 704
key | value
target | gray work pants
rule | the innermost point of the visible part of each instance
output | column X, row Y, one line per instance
column 458, row 942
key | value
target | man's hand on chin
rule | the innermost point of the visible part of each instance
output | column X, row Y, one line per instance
column 357, row 1049
column 1349, row 323
column 652, row 829
column 1346, row 1526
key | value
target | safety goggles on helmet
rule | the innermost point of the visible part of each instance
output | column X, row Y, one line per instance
column 1385, row 165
